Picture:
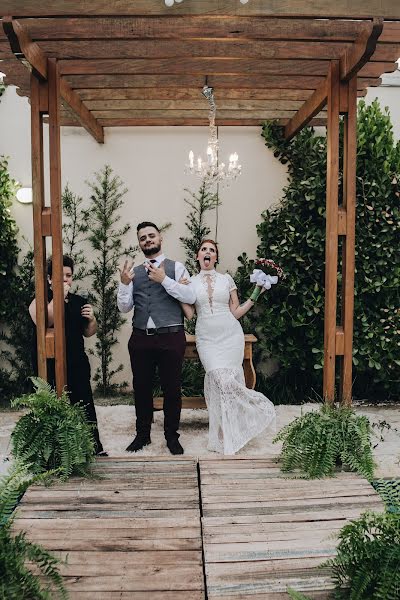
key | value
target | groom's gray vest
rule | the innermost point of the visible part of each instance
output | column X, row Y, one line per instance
column 151, row 300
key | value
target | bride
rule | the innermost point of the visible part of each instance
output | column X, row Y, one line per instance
column 236, row 413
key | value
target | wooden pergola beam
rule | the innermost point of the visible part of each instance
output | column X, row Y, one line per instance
column 389, row 9
column 363, row 48
column 30, row 54
column 349, row 65
column 310, row 108
column 180, row 28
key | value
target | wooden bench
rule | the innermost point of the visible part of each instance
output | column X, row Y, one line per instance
column 191, row 354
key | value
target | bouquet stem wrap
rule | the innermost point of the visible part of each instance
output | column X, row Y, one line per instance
column 255, row 293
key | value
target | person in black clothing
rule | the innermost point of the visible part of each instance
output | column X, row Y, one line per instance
column 80, row 322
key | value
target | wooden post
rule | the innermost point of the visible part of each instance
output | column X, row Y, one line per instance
column 39, row 243
column 331, row 245
column 56, row 224
column 348, row 253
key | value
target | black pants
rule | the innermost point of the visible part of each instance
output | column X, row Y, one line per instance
column 164, row 352
column 79, row 388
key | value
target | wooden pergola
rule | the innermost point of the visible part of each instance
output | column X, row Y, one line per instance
column 101, row 64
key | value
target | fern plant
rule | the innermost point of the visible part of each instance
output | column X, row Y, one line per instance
column 54, row 434
column 295, row 595
column 17, row 581
column 366, row 566
column 389, row 491
column 320, row 441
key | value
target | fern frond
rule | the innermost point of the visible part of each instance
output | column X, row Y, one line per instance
column 318, row 442
column 54, row 435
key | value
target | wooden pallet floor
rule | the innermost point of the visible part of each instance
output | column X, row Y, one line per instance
column 134, row 533
column 141, row 528
column 263, row 532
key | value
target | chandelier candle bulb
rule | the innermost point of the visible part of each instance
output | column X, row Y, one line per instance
column 191, row 157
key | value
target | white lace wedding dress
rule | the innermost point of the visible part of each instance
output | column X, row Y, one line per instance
column 236, row 413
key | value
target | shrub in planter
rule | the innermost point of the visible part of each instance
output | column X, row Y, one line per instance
column 54, row 434
column 319, row 442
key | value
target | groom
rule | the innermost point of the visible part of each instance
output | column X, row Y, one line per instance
column 158, row 338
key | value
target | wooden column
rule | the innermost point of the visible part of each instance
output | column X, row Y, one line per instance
column 340, row 221
column 45, row 99
column 348, row 210
column 56, row 224
column 331, row 245
column 38, row 92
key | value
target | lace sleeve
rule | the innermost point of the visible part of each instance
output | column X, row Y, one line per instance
column 231, row 283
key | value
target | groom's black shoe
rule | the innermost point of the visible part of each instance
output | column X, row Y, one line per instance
column 174, row 446
column 138, row 443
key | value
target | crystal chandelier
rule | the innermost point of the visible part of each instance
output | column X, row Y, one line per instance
column 210, row 170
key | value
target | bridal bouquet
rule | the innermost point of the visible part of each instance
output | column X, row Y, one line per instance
column 266, row 274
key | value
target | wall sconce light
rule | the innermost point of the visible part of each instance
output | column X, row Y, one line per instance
column 24, row 195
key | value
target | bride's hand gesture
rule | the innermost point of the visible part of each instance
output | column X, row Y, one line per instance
column 126, row 273
column 184, row 281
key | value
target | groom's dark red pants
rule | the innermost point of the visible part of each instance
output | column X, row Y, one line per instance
column 165, row 352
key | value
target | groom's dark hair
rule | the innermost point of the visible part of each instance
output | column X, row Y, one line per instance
column 146, row 224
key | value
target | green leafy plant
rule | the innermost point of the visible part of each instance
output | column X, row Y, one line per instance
column 289, row 322
column 200, row 204
column 389, row 490
column 8, row 263
column 318, row 442
column 105, row 239
column 75, row 229
column 16, row 338
column 8, row 236
column 297, row 595
column 366, row 566
column 17, row 581
column 54, row 434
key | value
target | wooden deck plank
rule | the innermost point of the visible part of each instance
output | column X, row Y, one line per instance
column 134, row 595
column 131, row 532
column 264, row 530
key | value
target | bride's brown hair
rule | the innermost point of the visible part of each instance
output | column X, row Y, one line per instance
column 210, row 241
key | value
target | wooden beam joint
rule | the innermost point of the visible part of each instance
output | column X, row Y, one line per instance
column 349, row 65
column 361, row 51
column 50, row 343
column 46, row 222
column 24, row 49
column 339, row 341
column 31, row 55
column 342, row 221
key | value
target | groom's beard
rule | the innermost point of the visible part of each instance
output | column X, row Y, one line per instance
column 152, row 250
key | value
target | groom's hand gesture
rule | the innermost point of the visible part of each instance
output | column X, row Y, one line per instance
column 156, row 274
column 126, row 273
